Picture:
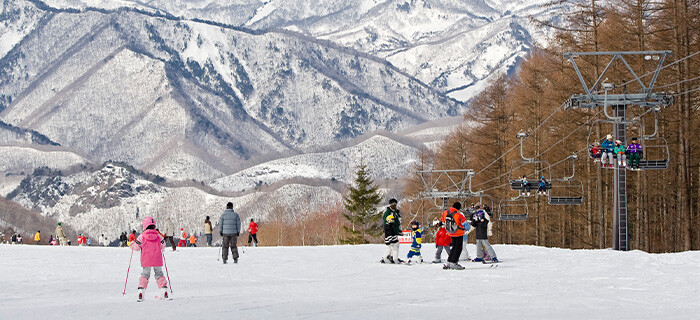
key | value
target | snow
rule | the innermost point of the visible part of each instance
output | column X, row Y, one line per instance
column 347, row 282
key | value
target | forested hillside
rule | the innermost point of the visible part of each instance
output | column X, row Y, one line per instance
column 662, row 204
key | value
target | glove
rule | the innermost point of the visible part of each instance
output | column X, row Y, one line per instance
column 221, row 233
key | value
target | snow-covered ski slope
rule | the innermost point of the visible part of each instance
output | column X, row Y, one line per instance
column 347, row 282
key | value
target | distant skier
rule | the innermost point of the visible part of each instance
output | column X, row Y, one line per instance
column 253, row 233
column 392, row 231
column 230, row 224
column 208, row 230
column 193, row 240
column 60, row 235
column 122, row 239
column 481, row 221
column 417, row 235
column 37, row 237
column 183, row 238
column 170, row 232
column 454, row 220
column 542, row 186
column 13, row 239
column 151, row 245
column 19, row 238
column 442, row 242
column 132, row 237
column 51, row 240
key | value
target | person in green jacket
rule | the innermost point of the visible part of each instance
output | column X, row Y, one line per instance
column 392, row 253
column 620, row 150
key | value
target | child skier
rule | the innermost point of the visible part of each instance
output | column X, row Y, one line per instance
column 464, row 255
column 417, row 234
column 442, row 241
column 151, row 245
column 596, row 152
column 620, row 152
column 482, row 223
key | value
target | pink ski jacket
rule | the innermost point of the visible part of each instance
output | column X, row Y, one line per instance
column 151, row 245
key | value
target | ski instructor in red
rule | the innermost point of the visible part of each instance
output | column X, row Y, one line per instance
column 230, row 224
column 454, row 220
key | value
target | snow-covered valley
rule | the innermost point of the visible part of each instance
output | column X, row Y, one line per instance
column 347, row 282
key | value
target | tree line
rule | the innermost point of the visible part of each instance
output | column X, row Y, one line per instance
column 662, row 204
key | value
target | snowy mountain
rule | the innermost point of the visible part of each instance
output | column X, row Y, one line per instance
column 111, row 199
column 242, row 96
column 347, row 282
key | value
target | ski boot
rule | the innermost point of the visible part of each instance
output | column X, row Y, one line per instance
column 141, row 294
column 165, row 295
column 455, row 266
column 235, row 260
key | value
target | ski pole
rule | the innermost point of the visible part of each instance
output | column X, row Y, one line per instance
column 127, row 271
column 217, row 257
column 166, row 273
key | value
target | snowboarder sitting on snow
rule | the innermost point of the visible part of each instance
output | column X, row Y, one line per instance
column 416, row 244
column 442, row 241
column 481, row 221
column 392, row 231
column 151, row 245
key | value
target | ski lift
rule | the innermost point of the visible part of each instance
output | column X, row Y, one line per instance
column 656, row 151
column 590, row 142
column 516, row 182
column 513, row 209
column 567, row 190
column 485, row 201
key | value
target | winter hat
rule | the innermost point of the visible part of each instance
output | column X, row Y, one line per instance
column 147, row 221
column 609, row 137
column 618, row 141
column 393, row 201
column 59, row 223
column 457, row 205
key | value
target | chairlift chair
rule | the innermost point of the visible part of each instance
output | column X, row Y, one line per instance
column 513, row 209
column 567, row 190
column 659, row 158
column 515, row 181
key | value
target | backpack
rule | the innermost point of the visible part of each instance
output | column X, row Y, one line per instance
column 451, row 225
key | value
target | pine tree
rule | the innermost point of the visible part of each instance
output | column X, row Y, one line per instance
column 361, row 204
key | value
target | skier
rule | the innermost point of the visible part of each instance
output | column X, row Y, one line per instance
column 542, row 186
column 183, row 238
column 132, row 237
column 464, row 255
column 417, row 234
column 596, row 152
column 391, row 239
column 253, row 233
column 37, row 237
column 208, row 230
column 19, row 238
column 607, row 149
column 51, row 239
column 13, row 239
column 481, row 221
column 636, row 153
column 230, row 224
column 392, row 253
column 442, row 241
column 122, row 239
column 193, row 239
column 525, row 188
column 169, row 232
column 151, row 245
column 454, row 220
column 620, row 152
column 60, row 235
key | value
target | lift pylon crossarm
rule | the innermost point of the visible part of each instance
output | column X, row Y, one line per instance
column 441, row 184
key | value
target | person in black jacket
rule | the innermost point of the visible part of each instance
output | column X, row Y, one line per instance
column 481, row 221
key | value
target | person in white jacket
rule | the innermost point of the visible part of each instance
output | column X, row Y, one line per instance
column 169, row 232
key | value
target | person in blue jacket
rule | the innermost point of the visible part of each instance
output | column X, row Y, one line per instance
column 608, row 145
column 414, row 254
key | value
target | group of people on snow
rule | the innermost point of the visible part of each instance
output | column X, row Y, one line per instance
column 606, row 152
column 451, row 235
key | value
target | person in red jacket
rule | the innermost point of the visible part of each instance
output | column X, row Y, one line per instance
column 132, row 237
column 183, row 239
column 252, row 233
column 454, row 220
column 442, row 241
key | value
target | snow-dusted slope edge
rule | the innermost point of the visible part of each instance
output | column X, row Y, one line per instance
column 347, row 282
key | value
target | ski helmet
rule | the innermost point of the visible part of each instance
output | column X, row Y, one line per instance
column 147, row 221
column 415, row 223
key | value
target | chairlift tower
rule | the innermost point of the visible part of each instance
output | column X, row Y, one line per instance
column 446, row 184
column 645, row 98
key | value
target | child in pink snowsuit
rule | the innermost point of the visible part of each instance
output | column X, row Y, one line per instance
column 151, row 245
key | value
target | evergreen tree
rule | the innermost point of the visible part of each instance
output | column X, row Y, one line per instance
column 361, row 204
